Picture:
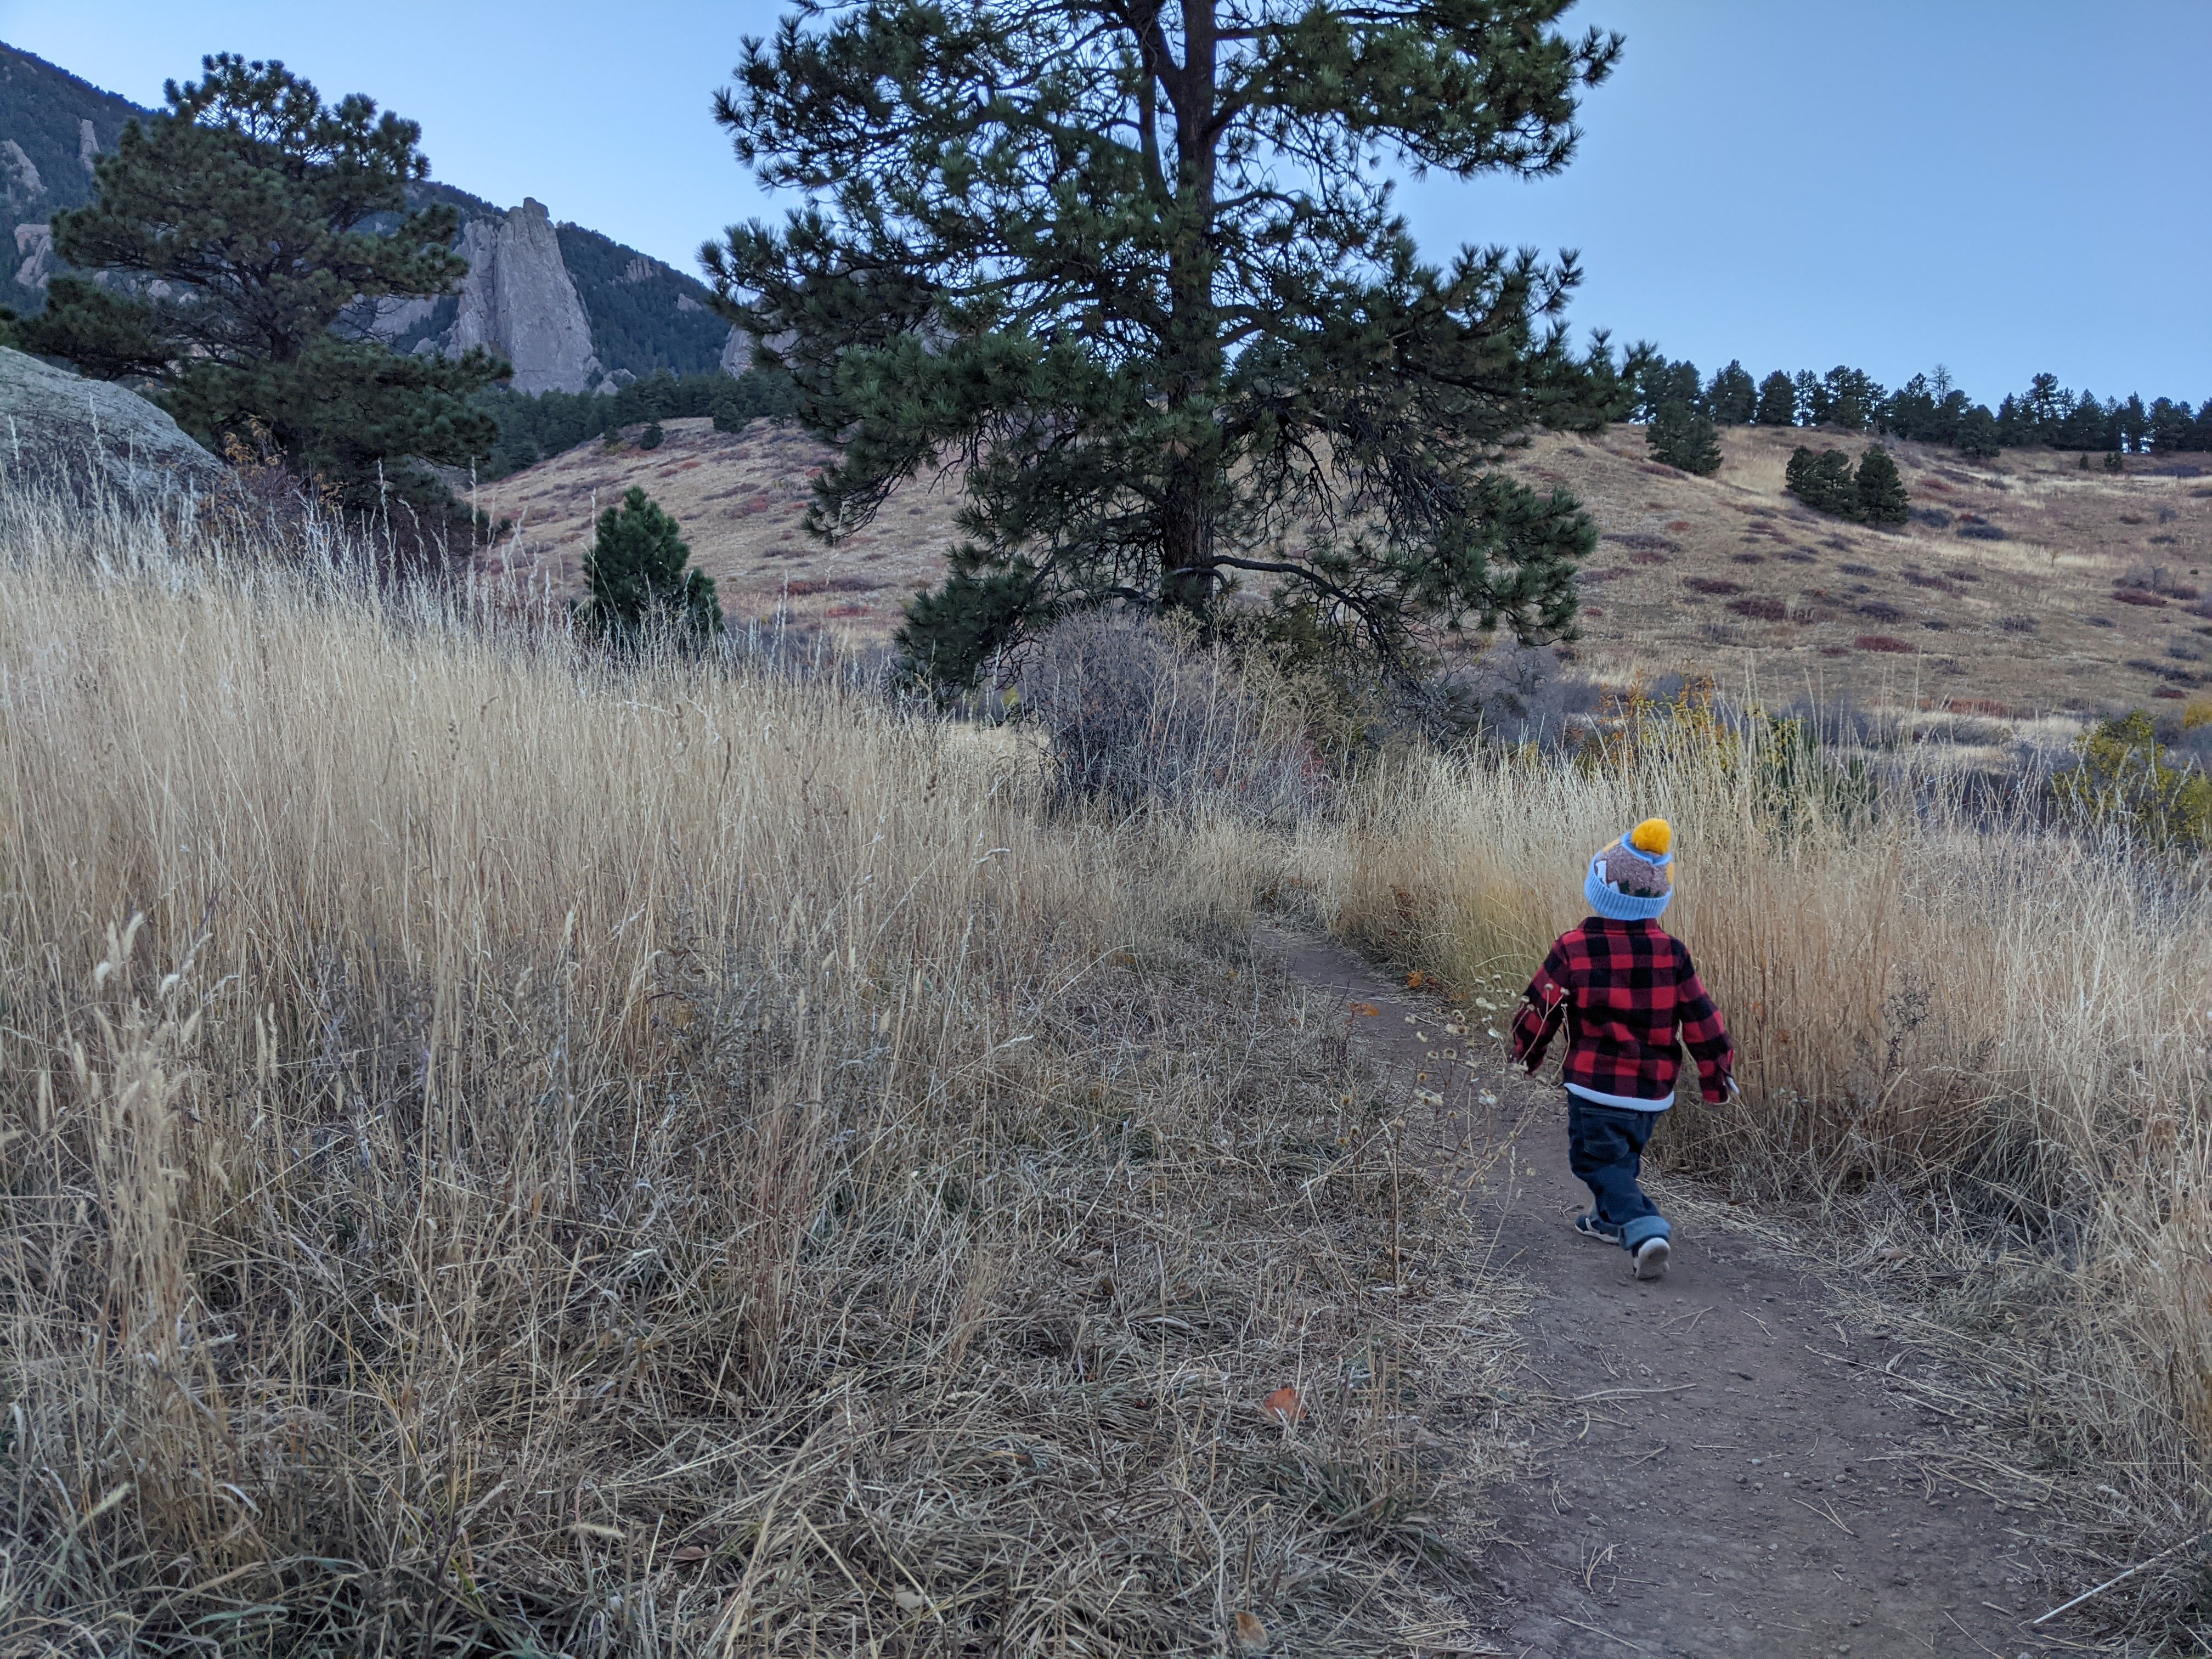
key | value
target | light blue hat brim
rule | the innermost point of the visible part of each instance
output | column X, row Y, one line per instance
column 1608, row 901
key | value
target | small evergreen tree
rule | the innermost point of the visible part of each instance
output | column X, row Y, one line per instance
column 651, row 437
column 1880, row 489
column 1823, row 481
column 1977, row 434
column 1815, row 403
column 637, row 571
column 1682, row 435
column 1732, row 399
column 2170, row 424
column 2113, row 462
column 1853, row 397
column 1777, row 401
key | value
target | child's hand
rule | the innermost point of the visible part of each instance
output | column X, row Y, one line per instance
column 1735, row 1088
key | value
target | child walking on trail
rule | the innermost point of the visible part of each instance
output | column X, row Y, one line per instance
column 1622, row 985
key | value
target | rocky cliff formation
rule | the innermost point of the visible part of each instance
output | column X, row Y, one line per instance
column 519, row 302
column 34, row 255
column 91, row 437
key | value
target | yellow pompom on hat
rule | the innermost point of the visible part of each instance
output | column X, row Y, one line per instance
column 1628, row 881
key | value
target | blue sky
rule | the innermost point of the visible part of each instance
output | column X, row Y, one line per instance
column 2004, row 187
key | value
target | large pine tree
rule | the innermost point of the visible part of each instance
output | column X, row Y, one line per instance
column 1138, row 266
column 230, row 233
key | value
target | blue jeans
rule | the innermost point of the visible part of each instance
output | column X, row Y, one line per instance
column 1605, row 1149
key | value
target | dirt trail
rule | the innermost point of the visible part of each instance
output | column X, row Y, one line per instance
column 1723, row 1471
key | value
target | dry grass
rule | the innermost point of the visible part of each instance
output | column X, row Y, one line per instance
column 1987, row 1045
column 2064, row 540
column 506, row 1151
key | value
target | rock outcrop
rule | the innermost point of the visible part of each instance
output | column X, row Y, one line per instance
column 92, row 438
column 737, row 353
column 34, row 255
column 19, row 178
column 519, row 302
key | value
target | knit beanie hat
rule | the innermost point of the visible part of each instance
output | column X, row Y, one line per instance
column 1629, row 880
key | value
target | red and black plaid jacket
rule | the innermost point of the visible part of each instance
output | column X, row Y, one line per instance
column 1622, row 987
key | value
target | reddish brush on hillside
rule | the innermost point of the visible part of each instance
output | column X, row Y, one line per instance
column 1760, row 607
column 1882, row 642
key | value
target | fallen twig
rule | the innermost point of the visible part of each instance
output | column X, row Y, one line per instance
column 2118, row 1577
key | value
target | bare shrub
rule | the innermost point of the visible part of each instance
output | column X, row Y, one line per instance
column 1882, row 642
column 1713, row 585
column 2018, row 624
column 1523, row 693
column 1137, row 717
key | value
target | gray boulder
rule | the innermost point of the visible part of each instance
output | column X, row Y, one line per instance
column 91, row 437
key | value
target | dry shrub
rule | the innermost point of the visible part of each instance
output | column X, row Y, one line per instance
column 1760, row 607
column 1882, row 642
column 1138, row 716
column 504, row 1152
column 1985, row 1031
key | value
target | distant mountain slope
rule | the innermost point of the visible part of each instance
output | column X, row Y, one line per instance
column 574, row 311
column 44, row 114
column 645, row 316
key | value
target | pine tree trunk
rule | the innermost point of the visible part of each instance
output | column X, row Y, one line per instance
column 1186, row 544
column 1194, row 357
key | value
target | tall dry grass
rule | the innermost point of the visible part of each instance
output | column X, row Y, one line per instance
column 510, row 1151
column 1989, row 1035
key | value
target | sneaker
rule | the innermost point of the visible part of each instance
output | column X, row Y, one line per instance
column 1590, row 1227
column 1651, row 1258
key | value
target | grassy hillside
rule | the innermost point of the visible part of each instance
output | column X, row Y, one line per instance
column 740, row 497
column 2043, row 588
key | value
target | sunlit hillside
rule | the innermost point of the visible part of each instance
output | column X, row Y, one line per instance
column 2045, row 587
